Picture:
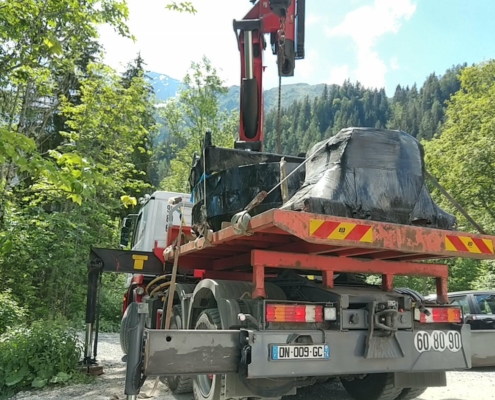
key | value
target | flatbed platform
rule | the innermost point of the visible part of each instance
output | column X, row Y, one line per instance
column 322, row 244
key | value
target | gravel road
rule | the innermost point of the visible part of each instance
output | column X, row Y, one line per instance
column 467, row 385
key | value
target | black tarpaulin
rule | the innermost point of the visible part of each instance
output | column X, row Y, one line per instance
column 373, row 174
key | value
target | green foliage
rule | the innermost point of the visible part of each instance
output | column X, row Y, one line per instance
column 75, row 151
column 319, row 111
column 43, row 44
column 46, row 266
column 182, row 6
column 422, row 113
column 187, row 118
column 45, row 353
column 111, row 302
column 486, row 278
column 11, row 313
column 45, row 237
column 291, row 93
column 108, row 126
column 462, row 157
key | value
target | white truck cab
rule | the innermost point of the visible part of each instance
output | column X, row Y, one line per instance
column 150, row 226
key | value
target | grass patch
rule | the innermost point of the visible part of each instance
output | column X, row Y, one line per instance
column 44, row 353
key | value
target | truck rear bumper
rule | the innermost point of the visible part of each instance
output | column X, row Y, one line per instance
column 192, row 352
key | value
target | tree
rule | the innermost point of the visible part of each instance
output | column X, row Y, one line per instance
column 75, row 143
column 182, row 6
column 110, row 126
column 43, row 43
column 143, row 160
column 462, row 157
column 50, row 236
column 190, row 115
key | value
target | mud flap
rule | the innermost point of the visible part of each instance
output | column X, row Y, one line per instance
column 383, row 347
column 420, row 379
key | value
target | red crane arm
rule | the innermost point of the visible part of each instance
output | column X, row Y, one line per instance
column 284, row 21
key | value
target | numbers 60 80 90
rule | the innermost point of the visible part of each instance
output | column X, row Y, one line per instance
column 437, row 341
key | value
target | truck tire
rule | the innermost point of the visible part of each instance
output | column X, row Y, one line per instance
column 210, row 387
column 372, row 387
column 178, row 384
column 124, row 333
column 411, row 393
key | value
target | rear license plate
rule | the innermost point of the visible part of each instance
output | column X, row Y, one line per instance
column 300, row 352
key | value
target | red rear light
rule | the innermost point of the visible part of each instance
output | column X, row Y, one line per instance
column 441, row 315
column 293, row 313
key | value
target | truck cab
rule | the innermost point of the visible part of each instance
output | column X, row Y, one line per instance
column 150, row 226
column 148, row 230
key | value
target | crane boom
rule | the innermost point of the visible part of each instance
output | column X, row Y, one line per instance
column 283, row 20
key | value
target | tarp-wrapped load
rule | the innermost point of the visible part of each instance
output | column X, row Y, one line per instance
column 373, row 174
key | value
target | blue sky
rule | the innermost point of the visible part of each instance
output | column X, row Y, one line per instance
column 381, row 43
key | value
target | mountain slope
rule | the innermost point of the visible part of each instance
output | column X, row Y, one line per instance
column 290, row 93
column 166, row 87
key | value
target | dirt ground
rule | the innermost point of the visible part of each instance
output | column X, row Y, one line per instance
column 466, row 385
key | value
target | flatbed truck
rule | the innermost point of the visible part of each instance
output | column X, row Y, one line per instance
column 275, row 299
column 261, row 310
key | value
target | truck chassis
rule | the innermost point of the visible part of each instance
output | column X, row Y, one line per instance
column 245, row 268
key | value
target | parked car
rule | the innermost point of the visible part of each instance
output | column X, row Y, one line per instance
column 479, row 311
column 478, row 307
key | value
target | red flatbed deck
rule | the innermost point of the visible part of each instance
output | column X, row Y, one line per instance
column 316, row 243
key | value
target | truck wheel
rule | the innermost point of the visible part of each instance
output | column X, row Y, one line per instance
column 178, row 384
column 411, row 393
column 124, row 332
column 372, row 387
column 209, row 387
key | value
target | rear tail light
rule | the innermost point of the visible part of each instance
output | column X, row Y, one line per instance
column 439, row 315
column 293, row 313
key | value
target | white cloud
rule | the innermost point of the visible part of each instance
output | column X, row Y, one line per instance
column 312, row 19
column 338, row 75
column 394, row 63
column 365, row 25
column 169, row 41
column 308, row 66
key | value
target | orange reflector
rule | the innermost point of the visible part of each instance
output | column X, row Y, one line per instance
column 293, row 313
column 441, row 314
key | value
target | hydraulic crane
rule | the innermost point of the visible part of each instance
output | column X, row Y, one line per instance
column 283, row 20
